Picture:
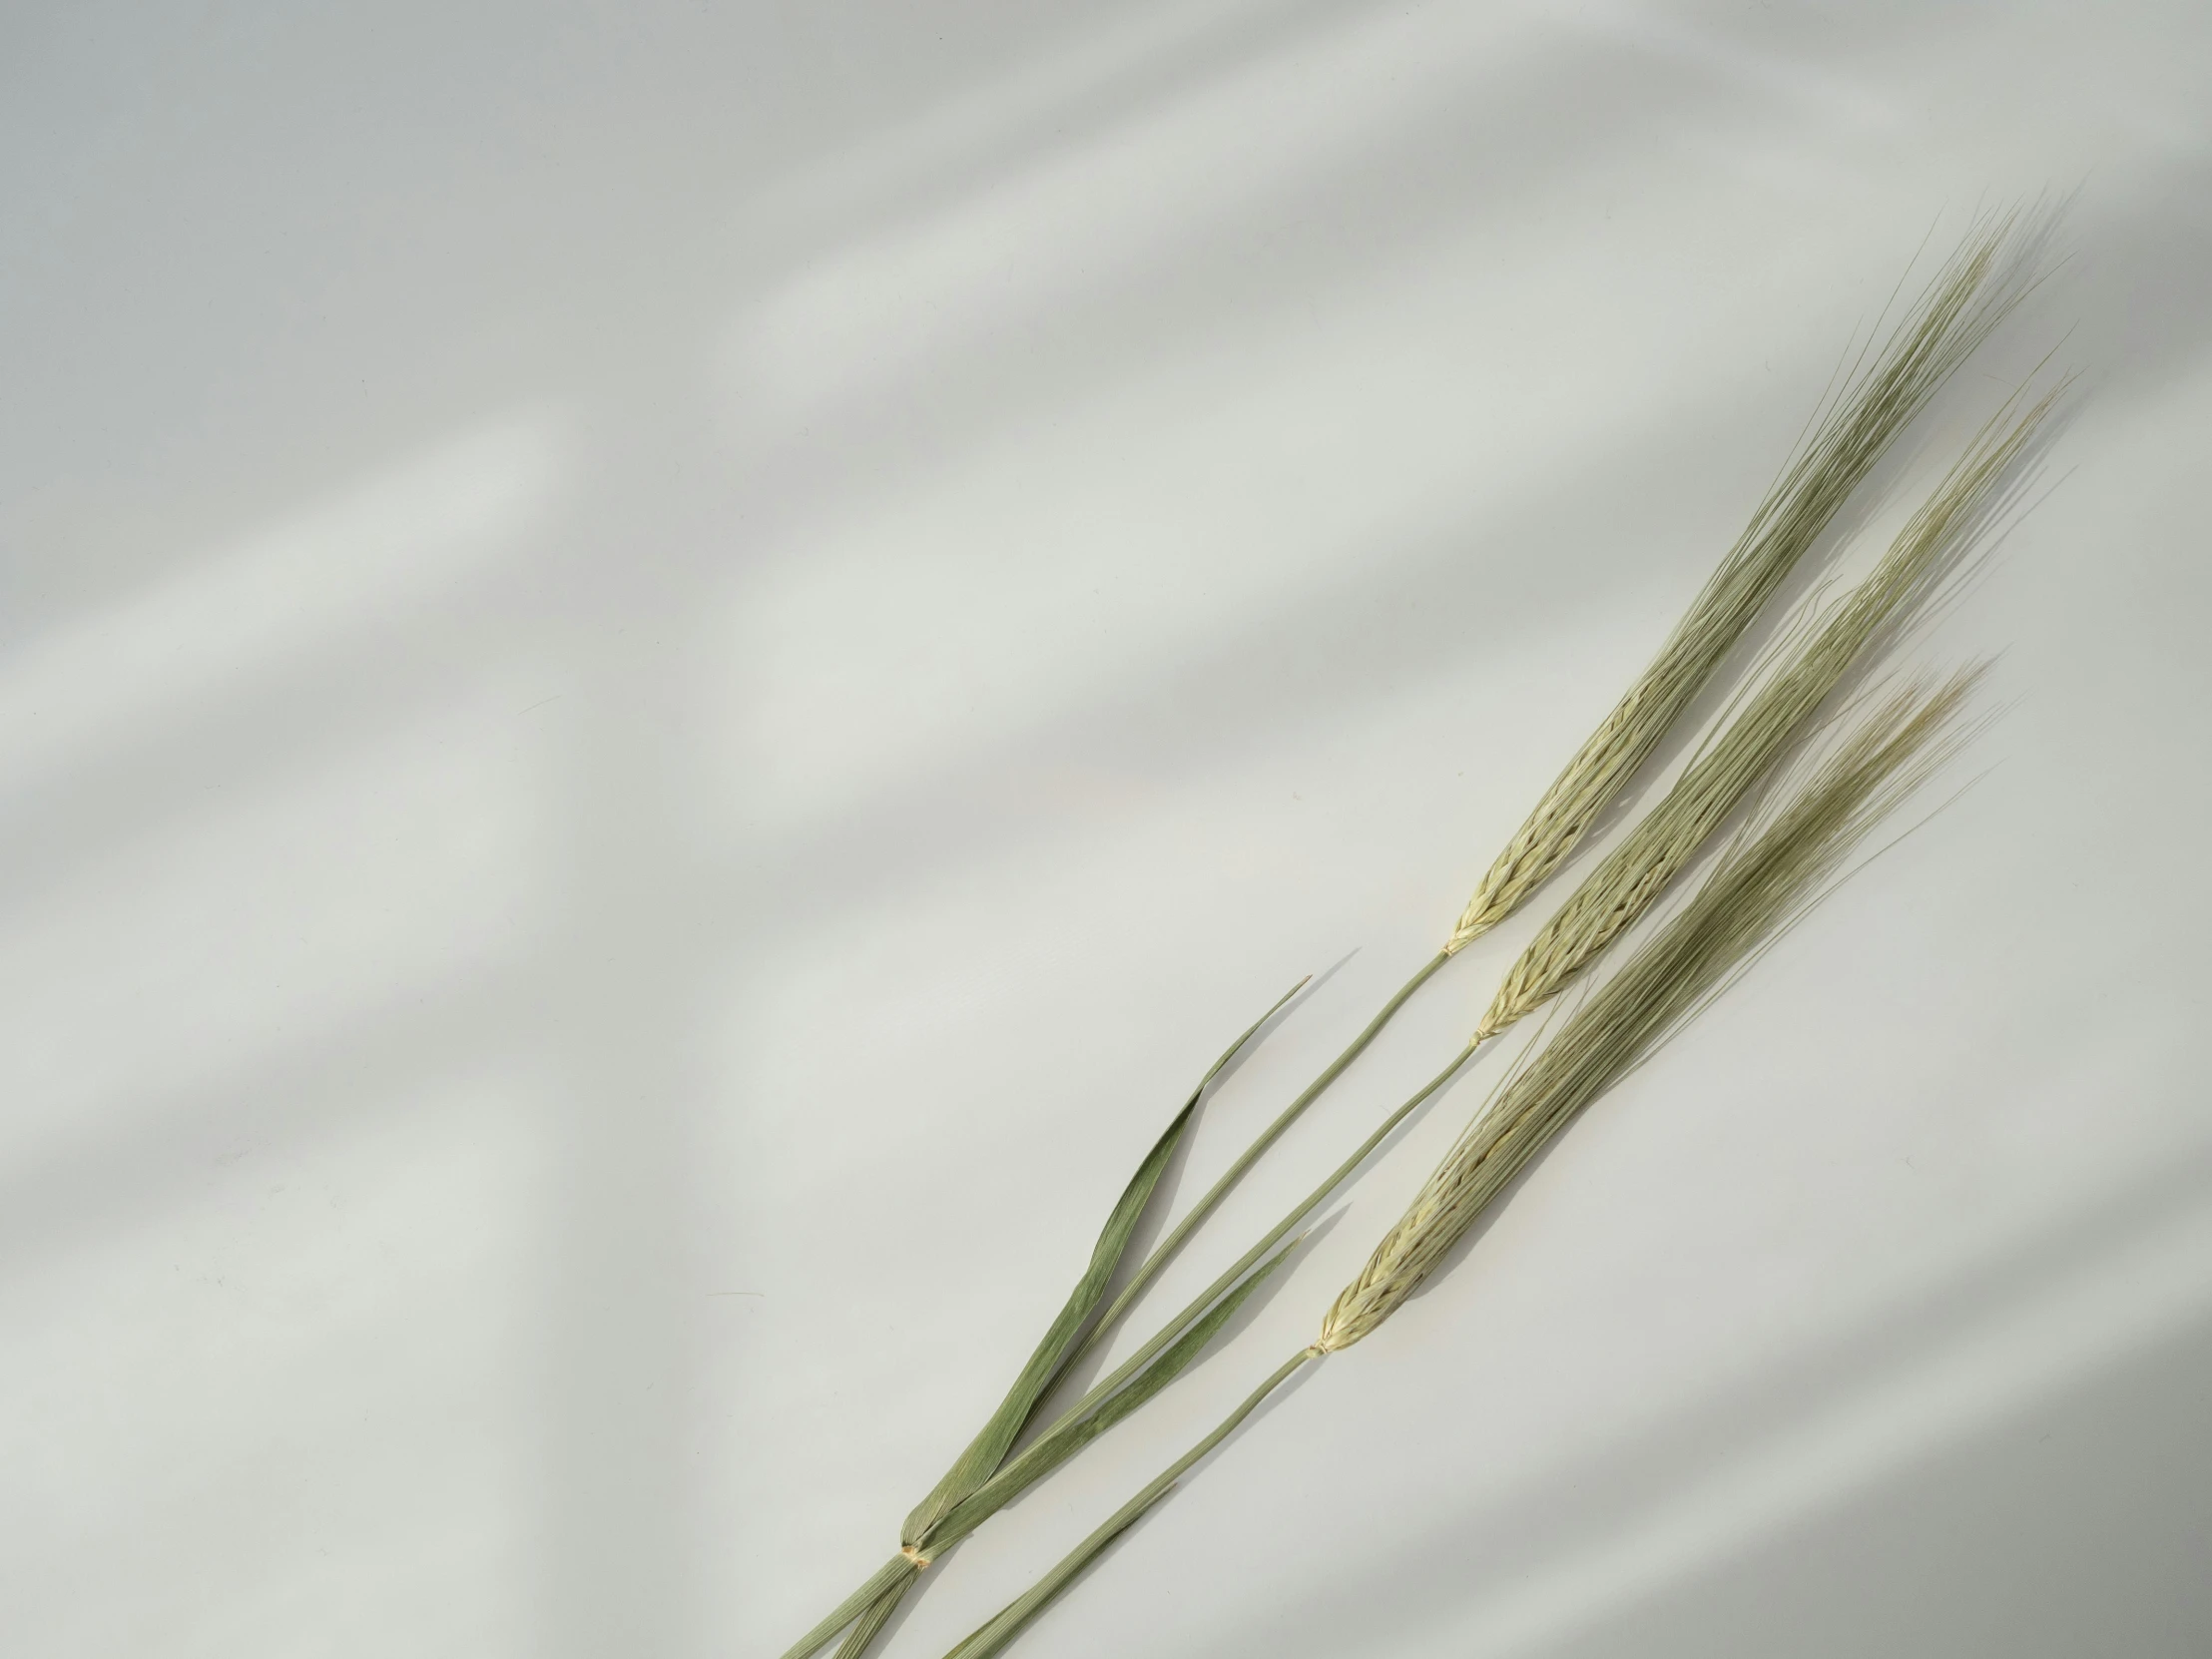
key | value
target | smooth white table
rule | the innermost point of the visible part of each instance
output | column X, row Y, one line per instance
column 665, row 676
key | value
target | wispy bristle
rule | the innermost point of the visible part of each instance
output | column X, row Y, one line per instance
column 1763, row 883
column 1983, row 280
column 1928, row 553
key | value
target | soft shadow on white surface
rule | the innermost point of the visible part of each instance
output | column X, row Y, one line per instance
column 1597, row 1540
column 664, row 680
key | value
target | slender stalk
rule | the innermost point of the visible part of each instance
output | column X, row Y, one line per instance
column 1165, row 1250
column 893, row 1576
column 1625, row 884
column 1049, row 1452
column 1267, row 1241
column 1762, row 884
column 990, row 1448
column 1982, row 282
column 1038, row 1459
column 871, row 1622
column 875, row 1601
column 1068, row 1436
column 1624, row 887
column 1875, row 403
column 1008, row 1622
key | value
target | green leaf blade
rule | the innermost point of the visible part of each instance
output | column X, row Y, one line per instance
column 980, row 1460
column 1071, row 1434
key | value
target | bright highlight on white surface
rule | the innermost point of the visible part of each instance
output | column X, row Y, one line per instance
column 298, row 1385
column 419, row 531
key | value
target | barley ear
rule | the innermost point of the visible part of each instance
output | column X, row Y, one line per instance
column 1981, row 282
column 1936, row 546
column 1759, row 886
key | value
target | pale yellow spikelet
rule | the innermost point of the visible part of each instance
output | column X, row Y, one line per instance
column 1929, row 552
column 1757, row 889
column 1987, row 277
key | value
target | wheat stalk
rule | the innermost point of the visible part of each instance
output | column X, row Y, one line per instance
column 878, row 1595
column 1932, row 549
column 1970, row 296
column 1981, row 282
column 1766, row 881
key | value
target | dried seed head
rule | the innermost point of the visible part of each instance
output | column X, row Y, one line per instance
column 1921, row 565
column 1755, row 890
column 1983, row 280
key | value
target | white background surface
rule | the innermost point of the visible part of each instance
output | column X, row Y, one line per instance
column 666, row 672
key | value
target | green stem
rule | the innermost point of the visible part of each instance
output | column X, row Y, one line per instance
column 897, row 1572
column 1001, row 1629
column 875, row 1601
column 1167, row 1246
column 1017, row 1475
column 878, row 1612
